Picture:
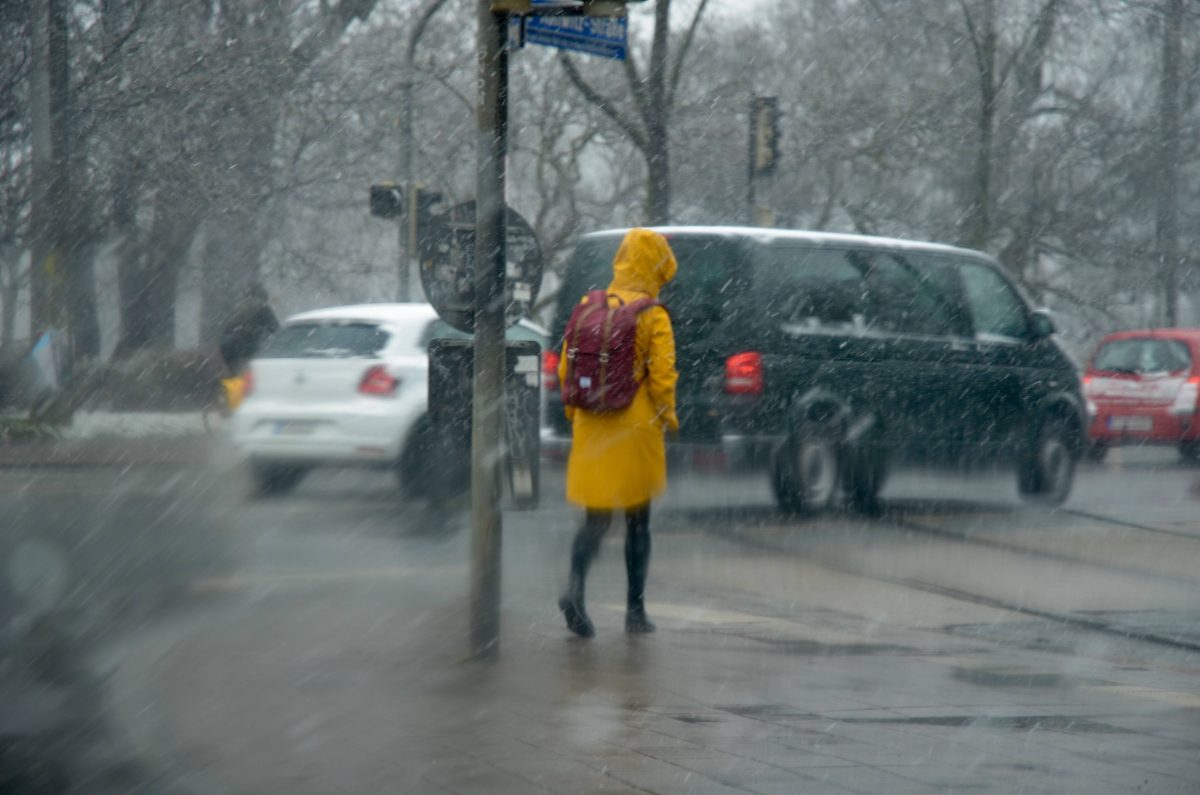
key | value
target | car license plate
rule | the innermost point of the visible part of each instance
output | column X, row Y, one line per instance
column 1130, row 423
column 294, row 427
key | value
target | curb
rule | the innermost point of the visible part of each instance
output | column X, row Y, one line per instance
column 107, row 452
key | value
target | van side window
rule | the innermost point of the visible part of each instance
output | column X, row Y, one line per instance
column 906, row 300
column 809, row 287
column 996, row 308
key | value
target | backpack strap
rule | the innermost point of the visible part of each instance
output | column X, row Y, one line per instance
column 642, row 304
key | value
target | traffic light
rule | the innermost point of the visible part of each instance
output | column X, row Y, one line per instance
column 764, row 135
column 387, row 200
column 427, row 202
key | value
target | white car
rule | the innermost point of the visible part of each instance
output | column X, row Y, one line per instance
column 346, row 386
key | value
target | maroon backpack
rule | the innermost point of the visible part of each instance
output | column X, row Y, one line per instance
column 601, row 343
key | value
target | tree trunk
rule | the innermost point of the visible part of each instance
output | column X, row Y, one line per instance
column 658, row 177
column 61, row 277
column 232, row 248
column 148, row 280
column 978, row 218
column 44, row 310
column 655, row 116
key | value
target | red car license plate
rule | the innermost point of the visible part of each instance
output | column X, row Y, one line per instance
column 1130, row 423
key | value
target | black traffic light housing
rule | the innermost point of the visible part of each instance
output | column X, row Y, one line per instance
column 764, row 135
column 387, row 200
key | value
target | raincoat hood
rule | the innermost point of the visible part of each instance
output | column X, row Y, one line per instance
column 644, row 263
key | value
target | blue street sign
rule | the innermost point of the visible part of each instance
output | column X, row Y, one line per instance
column 601, row 36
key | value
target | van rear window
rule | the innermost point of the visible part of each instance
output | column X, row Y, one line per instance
column 325, row 341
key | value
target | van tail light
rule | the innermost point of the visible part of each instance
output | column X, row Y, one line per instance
column 379, row 382
column 1187, row 399
column 247, row 383
column 744, row 374
column 550, row 360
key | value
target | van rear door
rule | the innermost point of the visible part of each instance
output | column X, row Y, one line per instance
column 698, row 300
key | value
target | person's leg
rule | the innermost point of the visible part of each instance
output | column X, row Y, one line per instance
column 637, row 563
column 583, row 551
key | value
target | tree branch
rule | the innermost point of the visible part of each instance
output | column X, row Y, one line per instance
column 600, row 101
column 976, row 45
column 334, row 20
column 684, row 47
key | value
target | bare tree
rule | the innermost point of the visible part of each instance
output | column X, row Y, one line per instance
column 652, row 91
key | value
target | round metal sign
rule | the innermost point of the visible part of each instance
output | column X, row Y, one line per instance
column 446, row 246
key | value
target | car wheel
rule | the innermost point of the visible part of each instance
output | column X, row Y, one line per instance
column 1096, row 452
column 417, row 461
column 1045, row 474
column 1190, row 452
column 864, row 472
column 274, row 480
column 806, row 471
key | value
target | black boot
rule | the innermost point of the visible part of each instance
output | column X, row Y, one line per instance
column 637, row 563
column 583, row 550
column 571, row 605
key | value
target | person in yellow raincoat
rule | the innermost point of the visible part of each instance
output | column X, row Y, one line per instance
column 618, row 459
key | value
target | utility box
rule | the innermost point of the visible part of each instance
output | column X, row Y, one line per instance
column 451, row 377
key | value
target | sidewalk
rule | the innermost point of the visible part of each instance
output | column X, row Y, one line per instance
column 354, row 681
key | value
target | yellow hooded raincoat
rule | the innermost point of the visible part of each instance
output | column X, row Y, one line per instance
column 618, row 459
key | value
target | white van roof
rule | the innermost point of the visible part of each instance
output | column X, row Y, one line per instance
column 768, row 235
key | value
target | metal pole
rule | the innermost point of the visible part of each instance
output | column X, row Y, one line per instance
column 405, row 241
column 750, row 170
column 490, row 248
column 408, row 221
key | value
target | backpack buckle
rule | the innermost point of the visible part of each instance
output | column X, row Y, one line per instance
column 604, row 358
column 571, row 352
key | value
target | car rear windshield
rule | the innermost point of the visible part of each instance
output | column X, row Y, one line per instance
column 325, row 341
column 1143, row 356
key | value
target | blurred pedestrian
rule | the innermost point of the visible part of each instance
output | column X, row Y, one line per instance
column 246, row 328
column 618, row 457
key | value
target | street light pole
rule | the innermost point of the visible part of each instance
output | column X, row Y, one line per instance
column 490, row 251
column 408, row 225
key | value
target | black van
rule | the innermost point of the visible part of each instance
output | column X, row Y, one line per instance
column 831, row 357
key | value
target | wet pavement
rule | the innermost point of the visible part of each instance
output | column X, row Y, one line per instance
column 957, row 643
column 101, row 540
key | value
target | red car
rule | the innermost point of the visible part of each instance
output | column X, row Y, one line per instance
column 1143, row 387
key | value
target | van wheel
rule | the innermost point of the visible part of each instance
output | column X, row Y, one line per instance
column 864, row 472
column 1046, row 472
column 1096, row 452
column 806, row 471
column 1190, row 452
column 418, row 462
column 275, row 480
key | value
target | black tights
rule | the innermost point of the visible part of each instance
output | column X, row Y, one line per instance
column 637, row 549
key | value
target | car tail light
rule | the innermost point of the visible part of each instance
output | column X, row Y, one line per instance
column 550, row 360
column 247, row 383
column 378, row 381
column 1187, row 400
column 744, row 374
